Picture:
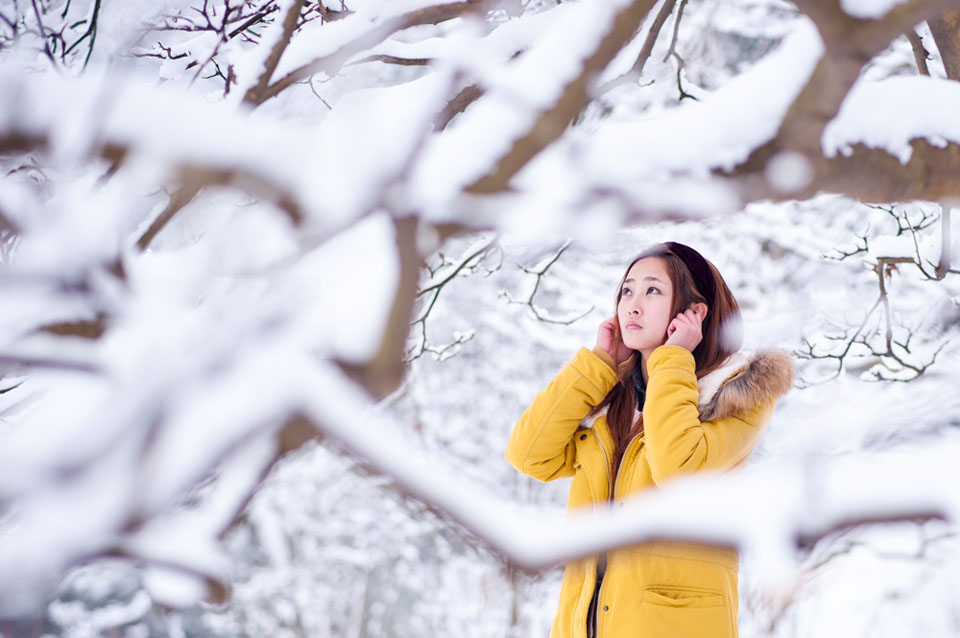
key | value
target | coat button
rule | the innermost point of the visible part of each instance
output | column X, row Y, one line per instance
column 606, row 608
column 583, row 437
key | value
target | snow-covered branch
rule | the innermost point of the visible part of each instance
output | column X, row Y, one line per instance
column 769, row 514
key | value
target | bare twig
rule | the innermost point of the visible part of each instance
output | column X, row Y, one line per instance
column 259, row 93
column 645, row 51
column 47, row 362
column 920, row 53
column 91, row 33
column 313, row 89
column 895, row 355
column 672, row 52
column 43, row 35
column 428, row 15
column 536, row 286
column 654, row 33
column 468, row 262
column 467, row 96
column 255, row 19
column 904, row 223
column 858, row 250
column 809, row 351
column 392, row 59
column 183, row 196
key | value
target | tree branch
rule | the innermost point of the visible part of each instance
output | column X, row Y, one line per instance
column 748, row 504
column 867, row 174
column 946, row 35
column 383, row 373
column 333, row 61
column 392, row 59
column 469, row 262
column 87, row 329
column 457, row 105
column 49, row 363
column 259, row 93
column 536, row 286
column 849, row 43
column 646, row 50
column 180, row 198
column 551, row 124
column 920, row 54
column 43, row 35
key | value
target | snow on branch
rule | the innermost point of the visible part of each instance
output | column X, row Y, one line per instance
column 199, row 144
column 848, row 43
column 341, row 40
column 768, row 513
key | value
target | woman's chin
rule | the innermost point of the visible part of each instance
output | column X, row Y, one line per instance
column 641, row 346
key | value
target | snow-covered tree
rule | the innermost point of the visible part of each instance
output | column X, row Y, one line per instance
column 233, row 228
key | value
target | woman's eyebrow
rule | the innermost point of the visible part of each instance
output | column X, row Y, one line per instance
column 651, row 277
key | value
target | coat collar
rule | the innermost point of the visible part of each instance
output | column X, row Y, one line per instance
column 743, row 382
column 739, row 384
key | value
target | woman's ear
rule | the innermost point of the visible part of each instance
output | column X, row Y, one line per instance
column 701, row 309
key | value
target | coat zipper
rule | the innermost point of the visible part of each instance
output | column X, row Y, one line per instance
column 612, row 497
column 606, row 461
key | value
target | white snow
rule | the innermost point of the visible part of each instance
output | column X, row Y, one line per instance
column 868, row 9
column 893, row 247
column 888, row 114
column 717, row 132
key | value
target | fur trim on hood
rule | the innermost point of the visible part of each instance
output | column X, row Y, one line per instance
column 742, row 383
column 739, row 384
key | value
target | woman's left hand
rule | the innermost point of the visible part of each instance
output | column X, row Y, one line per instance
column 685, row 330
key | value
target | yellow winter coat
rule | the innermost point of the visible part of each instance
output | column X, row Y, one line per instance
column 659, row 589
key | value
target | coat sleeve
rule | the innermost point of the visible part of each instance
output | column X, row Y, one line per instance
column 677, row 441
column 541, row 444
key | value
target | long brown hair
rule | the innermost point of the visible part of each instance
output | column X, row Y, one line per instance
column 721, row 333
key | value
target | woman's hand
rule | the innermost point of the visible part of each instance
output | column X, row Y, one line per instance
column 685, row 330
column 606, row 335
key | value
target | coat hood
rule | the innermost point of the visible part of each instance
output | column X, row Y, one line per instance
column 742, row 382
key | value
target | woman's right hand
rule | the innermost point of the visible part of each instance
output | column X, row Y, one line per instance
column 606, row 335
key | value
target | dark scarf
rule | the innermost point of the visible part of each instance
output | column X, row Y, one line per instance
column 639, row 387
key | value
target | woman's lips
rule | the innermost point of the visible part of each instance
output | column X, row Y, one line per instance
column 633, row 326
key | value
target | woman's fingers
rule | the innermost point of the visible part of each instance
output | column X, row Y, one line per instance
column 685, row 329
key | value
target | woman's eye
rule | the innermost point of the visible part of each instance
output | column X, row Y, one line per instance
column 653, row 289
column 625, row 291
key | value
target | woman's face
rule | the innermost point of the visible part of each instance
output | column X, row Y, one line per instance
column 645, row 303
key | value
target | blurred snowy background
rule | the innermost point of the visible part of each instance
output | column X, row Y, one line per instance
column 278, row 276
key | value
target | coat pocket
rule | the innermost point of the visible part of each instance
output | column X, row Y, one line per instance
column 683, row 597
column 684, row 612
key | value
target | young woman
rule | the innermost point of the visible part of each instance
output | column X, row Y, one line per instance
column 664, row 392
